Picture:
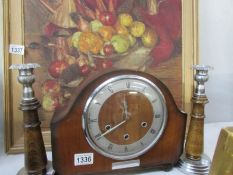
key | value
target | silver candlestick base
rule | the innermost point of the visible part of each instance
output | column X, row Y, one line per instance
column 193, row 161
column 194, row 167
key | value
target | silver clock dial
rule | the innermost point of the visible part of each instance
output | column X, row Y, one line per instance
column 124, row 117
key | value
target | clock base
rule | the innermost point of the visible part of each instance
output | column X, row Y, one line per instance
column 164, row 168
column 50, row 170
column 192, row 167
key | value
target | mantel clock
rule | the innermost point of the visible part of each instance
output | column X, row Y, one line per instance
column 121, row 121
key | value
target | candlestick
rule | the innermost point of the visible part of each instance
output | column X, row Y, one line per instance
column 193, row 161
column 34, row 150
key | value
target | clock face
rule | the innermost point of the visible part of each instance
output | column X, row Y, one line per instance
column 124, row 117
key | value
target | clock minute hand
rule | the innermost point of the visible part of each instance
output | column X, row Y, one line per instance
column 125, row 109
column 112, row 129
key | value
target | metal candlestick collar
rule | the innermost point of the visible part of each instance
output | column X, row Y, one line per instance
column 201, row 77
column 26, row 78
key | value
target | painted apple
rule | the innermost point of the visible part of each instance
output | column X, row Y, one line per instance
column 120, row 43
column 125, row 19
column 106, row 64
column 95, row 25
column 50, row 102
column 56, row 67
column 51, row 87
column 107, row 18
column 149, row 38
column 137, row 28
column 84, row 70
column 103, row 64
column 75, row 39
column 108, row 49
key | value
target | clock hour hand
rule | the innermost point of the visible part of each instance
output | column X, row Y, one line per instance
column 126, row 114
column 112, row 129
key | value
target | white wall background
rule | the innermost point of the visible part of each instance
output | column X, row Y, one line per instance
column 216, row 49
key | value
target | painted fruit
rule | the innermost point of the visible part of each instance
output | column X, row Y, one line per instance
column 120, row 43
column 107, row 18
column 84, row 70
column 82, row 60
column 125, row 19
column 50, row 102
column 137, row 29
column 90, row 42
column 106, row 64
column 103, row 64
column 51, row 87
column 75, row 39
column 106, row 32
column 108, row 49
column 95, row 25
column 70, row 59
column 132, row 40
column 149, row 38
column 56, row 67
column 120, row 29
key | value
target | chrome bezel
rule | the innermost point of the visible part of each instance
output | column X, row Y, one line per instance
column 93, row 94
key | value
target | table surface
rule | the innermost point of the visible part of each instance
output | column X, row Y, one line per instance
column 10, row 164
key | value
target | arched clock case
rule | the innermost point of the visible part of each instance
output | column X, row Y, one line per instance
column 121, row 121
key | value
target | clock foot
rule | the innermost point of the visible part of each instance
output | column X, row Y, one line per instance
column 50, row 170
column 167, row 168
column 192, row 167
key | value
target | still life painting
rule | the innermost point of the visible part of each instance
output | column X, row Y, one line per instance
column 73, row 40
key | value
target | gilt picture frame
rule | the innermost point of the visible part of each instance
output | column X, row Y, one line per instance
column 20, row 27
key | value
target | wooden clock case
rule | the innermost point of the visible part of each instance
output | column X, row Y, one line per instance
column 68, row 137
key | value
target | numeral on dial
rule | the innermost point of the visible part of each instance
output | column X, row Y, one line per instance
column 110, row 146
column 98, row 103
column 92, row 120
column 143, row 89
column 110, row 89
column 152, row 131
column 157, row 116
column 126, row 149
column 128, row 84
column 98, row 136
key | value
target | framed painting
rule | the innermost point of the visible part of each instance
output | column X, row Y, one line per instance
column 74, row 40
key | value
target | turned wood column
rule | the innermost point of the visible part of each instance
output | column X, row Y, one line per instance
column 194, row 143
column 34, row 150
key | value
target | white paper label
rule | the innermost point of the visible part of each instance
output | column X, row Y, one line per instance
column 16, row 49
column 83, row 159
